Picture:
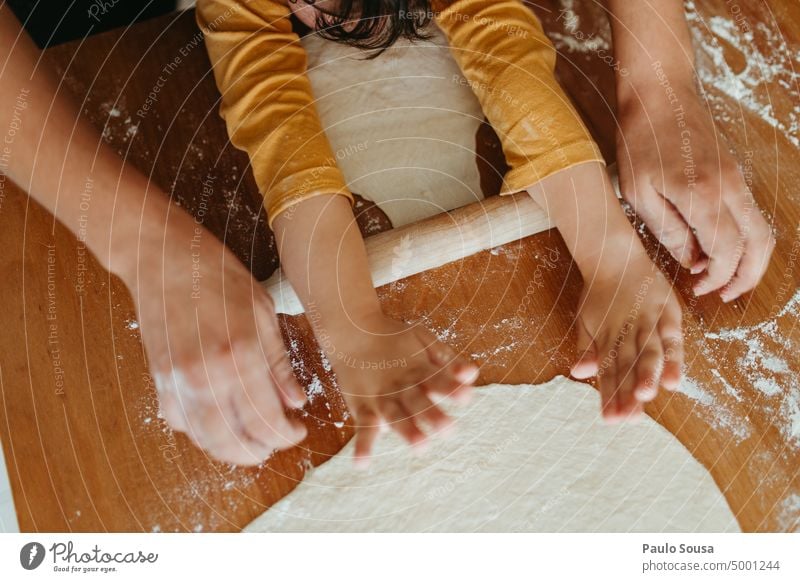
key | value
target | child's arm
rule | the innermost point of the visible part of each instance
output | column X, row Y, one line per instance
column 629, row 319
column 674, row 168
column 387, row 371
column 509, row 63
column 267, row 103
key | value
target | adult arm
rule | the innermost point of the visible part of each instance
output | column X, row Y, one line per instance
column 219, row 366
column 675, row 169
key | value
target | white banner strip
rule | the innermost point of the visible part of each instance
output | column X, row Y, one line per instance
column 370, row 557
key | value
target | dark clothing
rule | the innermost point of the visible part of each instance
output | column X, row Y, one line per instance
column 50, row 22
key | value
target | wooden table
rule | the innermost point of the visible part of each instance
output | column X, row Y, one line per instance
column 84, row 447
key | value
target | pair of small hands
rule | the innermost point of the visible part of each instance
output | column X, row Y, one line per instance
column 629, row 318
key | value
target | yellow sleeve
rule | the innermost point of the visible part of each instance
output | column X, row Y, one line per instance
column 267, row 102
column 509, row 63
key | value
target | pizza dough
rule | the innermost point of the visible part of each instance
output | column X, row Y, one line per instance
column 402, row 126
column 523, row 458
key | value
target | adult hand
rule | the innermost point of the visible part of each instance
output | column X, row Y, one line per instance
column 680, row 178
column 213, row 344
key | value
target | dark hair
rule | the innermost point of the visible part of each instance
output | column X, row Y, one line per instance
column 374, row 24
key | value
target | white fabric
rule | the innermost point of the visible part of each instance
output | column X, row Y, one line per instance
column 402, row 126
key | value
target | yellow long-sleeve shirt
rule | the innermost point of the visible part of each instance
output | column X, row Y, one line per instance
column 267, row 102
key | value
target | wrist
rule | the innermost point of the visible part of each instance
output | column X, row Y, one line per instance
column 349, row 332
column 343, row 318
column 583, row 206
column 654, row 87
column 615, row 255
column 146, row 235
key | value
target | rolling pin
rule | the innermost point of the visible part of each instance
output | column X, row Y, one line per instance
column 436, row 241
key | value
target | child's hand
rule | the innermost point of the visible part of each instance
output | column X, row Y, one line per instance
column 629, row 335
column 391, row 374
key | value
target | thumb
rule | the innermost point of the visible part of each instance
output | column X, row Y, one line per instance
column 661, row 216
column 586, row 365
column 672, row 228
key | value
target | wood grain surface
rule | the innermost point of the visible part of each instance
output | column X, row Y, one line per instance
column 84, row 447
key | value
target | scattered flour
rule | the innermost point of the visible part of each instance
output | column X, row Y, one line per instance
column 119, row 128
column 574, row 40
column 713, row 411
column 789, row 517
column 763, row 359
column 315, row 388
column 326, row 363
column 692, row 389
column 748, row 88
column 790, row 413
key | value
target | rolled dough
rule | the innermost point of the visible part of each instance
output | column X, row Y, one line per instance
column 523, row 458
column 403, row 125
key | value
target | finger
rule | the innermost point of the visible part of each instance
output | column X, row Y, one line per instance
column 586, row 365
column 626, row 372
column 755, row 260
column 454, row 376
column 442, row 383
column 667, row 224
column 443, row 356
column 400, row 421
column 280, row 370
column 368, row 425
column 700, row 265
column 221, row 433
column 213, row 431
column 241, row 453
column 671, row 335
column 607, row 384
column 720, row 239
column 636, row 412
column 260, row 404
column 649, row 365
column 266, row 425
column 422, row 408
